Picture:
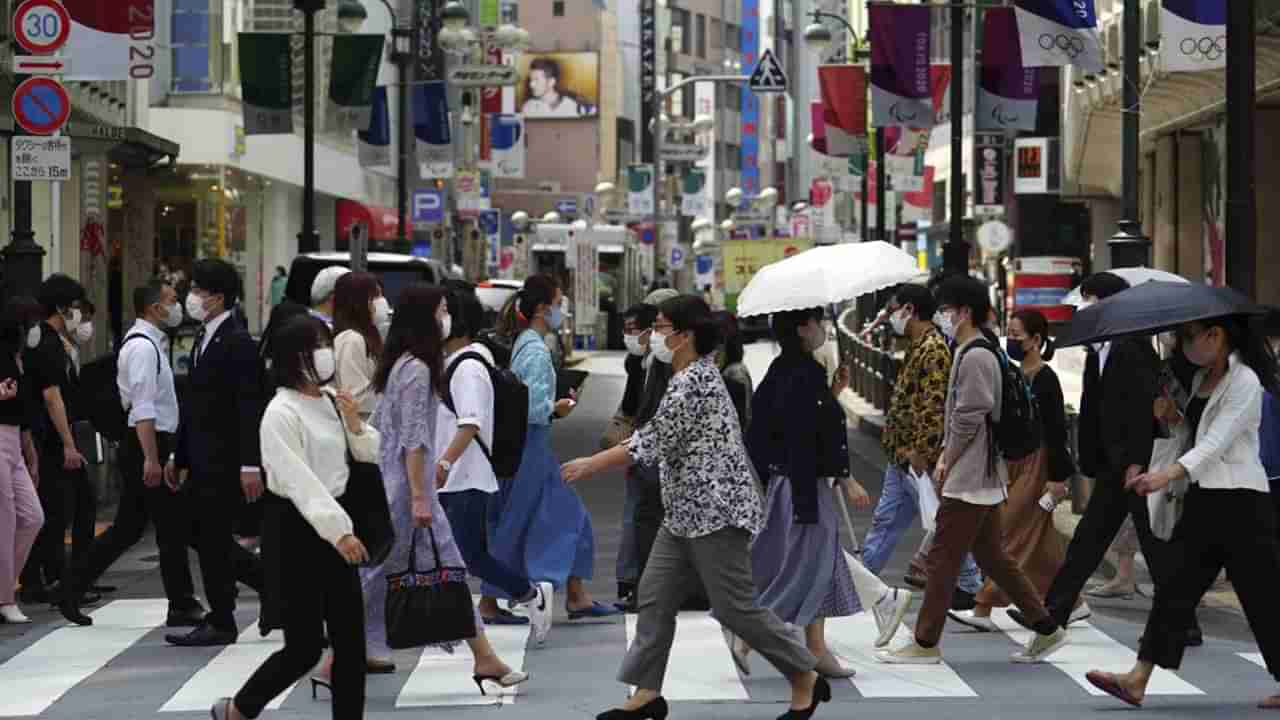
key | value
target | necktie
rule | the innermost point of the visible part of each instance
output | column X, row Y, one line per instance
column 199, row 346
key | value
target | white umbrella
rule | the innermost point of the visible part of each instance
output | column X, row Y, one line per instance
column 1134, row 276
column 825, row 275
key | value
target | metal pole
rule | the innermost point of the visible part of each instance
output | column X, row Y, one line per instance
column 402, row 169
column 955, row 256
column 882, row 182
column 1128, row 246
column 23, row 256
column 1242, row 220
column 865, row 234
column 308, row 239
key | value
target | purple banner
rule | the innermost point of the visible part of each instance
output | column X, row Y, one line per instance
column 1007, row 91
column 900, row 91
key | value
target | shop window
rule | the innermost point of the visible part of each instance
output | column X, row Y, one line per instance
column 192, row 33
column 700, row 36
column 557, row 8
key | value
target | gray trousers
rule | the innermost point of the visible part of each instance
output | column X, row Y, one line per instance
column 722, row 561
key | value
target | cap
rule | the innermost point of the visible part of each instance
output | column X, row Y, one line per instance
column 326, row 280
column 659, row 296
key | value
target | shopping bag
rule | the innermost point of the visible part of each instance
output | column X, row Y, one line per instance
column 928, row 499
column 428, row 608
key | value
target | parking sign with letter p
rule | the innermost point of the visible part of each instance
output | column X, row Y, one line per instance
column 428, row 206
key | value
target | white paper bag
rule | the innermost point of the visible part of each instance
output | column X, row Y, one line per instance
column 928, row 499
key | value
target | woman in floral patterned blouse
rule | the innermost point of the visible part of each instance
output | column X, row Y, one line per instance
column 712, row 512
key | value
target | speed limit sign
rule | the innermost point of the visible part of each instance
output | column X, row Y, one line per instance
column 41, row 26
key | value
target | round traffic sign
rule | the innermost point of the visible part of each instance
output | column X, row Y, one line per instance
column 41, row 106
column 41, row 26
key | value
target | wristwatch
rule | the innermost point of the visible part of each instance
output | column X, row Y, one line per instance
column 445, row 465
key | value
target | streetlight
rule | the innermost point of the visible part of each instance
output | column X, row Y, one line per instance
column 817, row 36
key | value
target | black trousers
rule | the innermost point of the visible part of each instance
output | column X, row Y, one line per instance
column 139, row 505
column 67, row 499
column 1108, row 507
column 318, row 588
column 1232, row 529
column 215, row 500
column 648, row 519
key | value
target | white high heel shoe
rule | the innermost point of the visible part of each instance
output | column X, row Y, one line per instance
column 12, row 615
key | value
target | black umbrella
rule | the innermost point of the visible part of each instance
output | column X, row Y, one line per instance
column 1153, row 307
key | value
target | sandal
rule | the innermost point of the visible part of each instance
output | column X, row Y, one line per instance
column 1269, row 703
column 1107, row 684
column 595, row 611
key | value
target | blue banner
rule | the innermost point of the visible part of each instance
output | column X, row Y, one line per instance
column 750, row 103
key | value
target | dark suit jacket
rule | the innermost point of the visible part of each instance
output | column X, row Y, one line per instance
column 218, row 431
column 1117, row 421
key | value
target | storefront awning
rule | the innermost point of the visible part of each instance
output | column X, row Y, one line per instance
column 380, row 221
column 128, row 145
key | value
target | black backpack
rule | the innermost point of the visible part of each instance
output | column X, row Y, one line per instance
column 510, row 415
column 98, row 381
column 1018, row 433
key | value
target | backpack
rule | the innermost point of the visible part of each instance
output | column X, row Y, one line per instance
column 103, row 405
column 1018, row 432
column 510, row 415
column 497, row 346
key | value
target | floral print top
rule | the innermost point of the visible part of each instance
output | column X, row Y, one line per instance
column 914, row 422
column 531, row 362
column 695, row 440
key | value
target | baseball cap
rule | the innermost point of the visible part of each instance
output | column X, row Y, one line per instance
column 325, row 282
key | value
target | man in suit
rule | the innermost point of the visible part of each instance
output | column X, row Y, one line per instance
column 1117, row 429
column 217, row 463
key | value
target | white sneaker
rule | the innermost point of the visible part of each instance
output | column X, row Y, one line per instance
column 1041, row 647
column 911, row 654
column 888, row 612
column 12, row 615
column 969, row 619
column 1080, row 614
column 541, row 608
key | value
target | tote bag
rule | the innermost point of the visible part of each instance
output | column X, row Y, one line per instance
column 365, row 502
column 428, row 608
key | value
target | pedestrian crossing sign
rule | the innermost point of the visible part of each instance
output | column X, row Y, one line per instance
column 768, row 75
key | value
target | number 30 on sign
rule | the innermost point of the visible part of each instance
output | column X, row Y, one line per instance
column 41, row 26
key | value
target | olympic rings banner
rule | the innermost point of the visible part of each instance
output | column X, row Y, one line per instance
column 1054, row 33
column 1193, row 35
column 1007, row 91
column 900, row 88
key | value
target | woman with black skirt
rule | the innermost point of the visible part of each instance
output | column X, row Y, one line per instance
column 305, row 434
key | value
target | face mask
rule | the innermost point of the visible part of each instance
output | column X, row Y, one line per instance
column 1085, row 304
column 899, row 323
column 446, row 326
column 33, row 336
column 1195, row 355
column 661, row 352
column 381, row 312
column 325, row 364
column 173, row 316
column 384, row 329
column 815, row 338
column 634, row 346
column 72, row 321
column 1015, row 350
column 84, row 333
column 554, row 318
column 195, row 308
column 946, row 323
column 1168, row 341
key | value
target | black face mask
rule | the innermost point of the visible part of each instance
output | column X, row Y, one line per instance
column 1015, row 350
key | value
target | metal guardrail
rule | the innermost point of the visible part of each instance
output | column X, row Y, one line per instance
column 872, row 369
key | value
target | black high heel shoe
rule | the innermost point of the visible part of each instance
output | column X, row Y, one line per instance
column 511, row 679
column 821, row 694
column 317, row 683
column 655, row 709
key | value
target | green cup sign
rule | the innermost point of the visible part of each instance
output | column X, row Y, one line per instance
column 640, row 189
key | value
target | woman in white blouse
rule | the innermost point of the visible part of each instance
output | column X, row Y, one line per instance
column 1228, row 520
column 305, row 434
column 359, row 310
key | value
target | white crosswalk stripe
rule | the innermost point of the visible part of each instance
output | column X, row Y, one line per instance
column 701, row 668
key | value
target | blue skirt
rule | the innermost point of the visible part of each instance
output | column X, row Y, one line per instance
column 538, row 526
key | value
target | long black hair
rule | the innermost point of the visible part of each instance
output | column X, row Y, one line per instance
column 1253, row 347
column 732, row 338
column 414, row 330
column 1035, row 323
column 786, row 329
column 293, row 347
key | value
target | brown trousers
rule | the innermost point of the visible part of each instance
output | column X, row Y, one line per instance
column 962, row 528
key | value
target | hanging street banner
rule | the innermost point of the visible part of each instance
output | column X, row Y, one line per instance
column 1007, row 92
column 267, row 92
column 431, row 130
column 900, row 88
column 917, row 204
column 1055, row 33
column 373, row 144
column 843, row 90
column 353, row 77
column 693, row 191
column 640, row 190
column 113, row 39
column 506, row 145
column 704, row 99
column 749, row 109
column 1193, row 35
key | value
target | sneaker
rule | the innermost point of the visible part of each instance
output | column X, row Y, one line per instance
column 1080, row 614
column 1041, row 647
column 969, row 618
column 888, row 612
column 963, row 600
column 911, row 654
column 540, row 611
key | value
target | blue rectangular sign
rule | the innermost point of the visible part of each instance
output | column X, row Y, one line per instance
column 428, row 206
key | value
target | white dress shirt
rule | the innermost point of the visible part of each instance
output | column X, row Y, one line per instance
column 145, row 378
column 472, row 394
column 210, row 329
column 355, row 369
column 304, row 451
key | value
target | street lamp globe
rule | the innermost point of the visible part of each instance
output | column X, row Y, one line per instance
column 767, row 197
column 605, row 188
column 454, row 16
column 703, row 123
column 520, row 219
column 579, row 225
column 700, row 225
column 734, row 197
column 817, row 36
column 800, row 207
column 728, row 225
column 351, row 15
column 551, row 217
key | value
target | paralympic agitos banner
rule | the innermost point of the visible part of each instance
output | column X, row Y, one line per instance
column 900, row 88
column 1007, row 91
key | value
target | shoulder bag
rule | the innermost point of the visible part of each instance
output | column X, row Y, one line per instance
column 365, row 501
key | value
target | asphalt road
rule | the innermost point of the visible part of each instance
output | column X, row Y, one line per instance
column 121, row 668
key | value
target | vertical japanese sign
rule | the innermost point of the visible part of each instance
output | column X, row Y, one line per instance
column 430, row 62
column 704, row 98
column 750, row 103
column 648, row 74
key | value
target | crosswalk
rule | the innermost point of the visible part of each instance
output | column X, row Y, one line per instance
column 62, row 668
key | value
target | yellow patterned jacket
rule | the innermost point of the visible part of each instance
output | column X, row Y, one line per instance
column 915, row 421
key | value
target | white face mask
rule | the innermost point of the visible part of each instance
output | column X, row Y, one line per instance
column 325, row 364
column 661, row 353
column 72, row 321
column 446, row 325
column 173, row 315
column 898, row 321
column 633, row 344
column 946, row 322
column 84, row 333
column 195, row 308
column 381, row 311
column 33, row 336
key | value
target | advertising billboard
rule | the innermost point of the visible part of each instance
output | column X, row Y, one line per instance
column 558, row 85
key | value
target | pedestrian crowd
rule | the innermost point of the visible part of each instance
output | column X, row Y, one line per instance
column 388, row 452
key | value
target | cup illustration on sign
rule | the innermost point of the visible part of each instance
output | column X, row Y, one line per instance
column 990, row 176
column 505, row 131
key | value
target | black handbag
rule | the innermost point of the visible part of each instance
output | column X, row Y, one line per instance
column 428, row 608
column 365, row 501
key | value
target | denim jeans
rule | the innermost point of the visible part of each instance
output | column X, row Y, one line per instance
column 899, row 504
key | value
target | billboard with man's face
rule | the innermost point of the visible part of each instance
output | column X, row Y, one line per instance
column 558, row 85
